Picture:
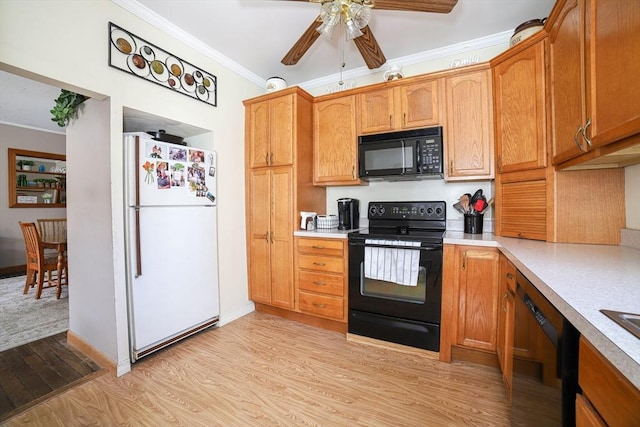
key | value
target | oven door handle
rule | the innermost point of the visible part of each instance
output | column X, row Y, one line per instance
column 431, row 247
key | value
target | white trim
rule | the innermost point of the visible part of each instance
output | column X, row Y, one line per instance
column 228, row 318
column 32, row 127
column 162, row 24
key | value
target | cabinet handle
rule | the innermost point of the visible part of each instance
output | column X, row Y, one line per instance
column 499, row 163
column 404, row 119
column 321, row 264
column 584, row 132
column 353, row 172
column 315, row 304
column 575, row 139
column 317, row 247
column 451, row 167
column 319, row 283
column 266, row 236
column 390, row 120
column 266, row 158
column 504, row 298
column 464, row 261
column 510, row 276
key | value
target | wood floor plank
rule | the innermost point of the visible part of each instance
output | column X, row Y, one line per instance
column 264, row 370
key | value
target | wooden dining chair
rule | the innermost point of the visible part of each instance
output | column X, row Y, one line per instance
column 42, row 270
column 52, row 227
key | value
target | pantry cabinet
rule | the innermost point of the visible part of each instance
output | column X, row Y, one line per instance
column 270, row 130
column 322, row 277
column 469, row 125
column 469, row 299
column 335, row 141
column 279, row 185
column 594, row 61
column 411, row 104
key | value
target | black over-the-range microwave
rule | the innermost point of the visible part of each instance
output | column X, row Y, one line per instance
column 404, row 155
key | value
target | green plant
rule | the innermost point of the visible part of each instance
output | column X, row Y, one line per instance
column 25, row 163
column 66, row 107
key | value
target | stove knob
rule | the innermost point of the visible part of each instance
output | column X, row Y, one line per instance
column 381, row 210
column 373, row 210
column 430, row 211
column 439, row 211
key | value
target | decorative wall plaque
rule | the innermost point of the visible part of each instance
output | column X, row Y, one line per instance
column 131, row 54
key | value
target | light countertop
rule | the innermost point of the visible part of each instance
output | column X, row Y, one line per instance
column 332, row 233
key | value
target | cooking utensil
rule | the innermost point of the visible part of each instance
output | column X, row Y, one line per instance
column 476, row 196
column 489, row 204
column 459, row 208
column 161, row 135
column 464, row 202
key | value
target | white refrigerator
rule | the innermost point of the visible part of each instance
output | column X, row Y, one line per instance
column 171, row 242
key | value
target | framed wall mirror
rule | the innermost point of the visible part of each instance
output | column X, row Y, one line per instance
column 37, row 179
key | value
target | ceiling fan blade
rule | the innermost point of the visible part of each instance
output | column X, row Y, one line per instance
column 435, row 6
column 303, row 44
column 370, row 49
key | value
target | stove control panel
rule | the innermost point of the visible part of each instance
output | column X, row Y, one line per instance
column 427, row 211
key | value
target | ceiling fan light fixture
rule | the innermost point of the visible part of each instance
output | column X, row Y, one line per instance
column 360, row 14
column 326, row 30
column 351, row 29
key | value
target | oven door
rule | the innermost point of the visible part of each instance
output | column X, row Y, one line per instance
column 379, row 296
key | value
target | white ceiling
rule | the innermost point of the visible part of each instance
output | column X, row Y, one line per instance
column 252, row 36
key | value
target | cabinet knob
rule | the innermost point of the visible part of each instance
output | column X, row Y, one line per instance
column 510, row 276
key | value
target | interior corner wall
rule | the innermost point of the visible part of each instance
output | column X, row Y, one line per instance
column 11, row 239
column 632, row 201
column 83, row 67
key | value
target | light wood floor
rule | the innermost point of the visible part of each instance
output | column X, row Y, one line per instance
column 262, row 370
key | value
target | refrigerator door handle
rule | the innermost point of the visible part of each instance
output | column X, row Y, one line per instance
column 138, row 249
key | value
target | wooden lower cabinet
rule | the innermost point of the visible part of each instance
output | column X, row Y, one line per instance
column 608, row 398
column 469, row 300
column 321, row 277
column 506, row 319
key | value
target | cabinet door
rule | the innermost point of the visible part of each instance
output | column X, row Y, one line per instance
column 259, row 220
column 282, row 237
column 259, row 133
column 613, row 55
column 419, row 104
column 281, row 130
column 376, row 111
column 478, row 298
column 566, row 74
column 522, row 209
column 469, row 131
column 519, row 106
column 506, row 318
column 335, row 142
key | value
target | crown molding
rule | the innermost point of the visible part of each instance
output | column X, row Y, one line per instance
column 19, row 125
column 162, row 24
column 418, row 58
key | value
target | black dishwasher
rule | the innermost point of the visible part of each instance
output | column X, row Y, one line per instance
column 545, row 364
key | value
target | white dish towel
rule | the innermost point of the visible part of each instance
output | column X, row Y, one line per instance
column 399, row 266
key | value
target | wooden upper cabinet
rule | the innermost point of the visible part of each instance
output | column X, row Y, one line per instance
column 335, row 142
column 468, row 135
column 594, row 61
column 271, row 126
column 412, row 104
column 519, row 106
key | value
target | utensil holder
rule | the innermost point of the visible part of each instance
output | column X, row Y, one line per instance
column 473, row 223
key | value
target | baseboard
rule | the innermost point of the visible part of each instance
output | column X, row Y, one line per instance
column 228, row 318
column 12, row 271
column 392, row 346
column 331, row 325
column 91, row 352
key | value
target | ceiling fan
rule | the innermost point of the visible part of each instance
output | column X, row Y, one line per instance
column 355, row 15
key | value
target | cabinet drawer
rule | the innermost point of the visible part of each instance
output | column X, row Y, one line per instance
column 329, row 247
column 321, row 305
column 611, row 394
column 321, row 263
column 331, row 284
